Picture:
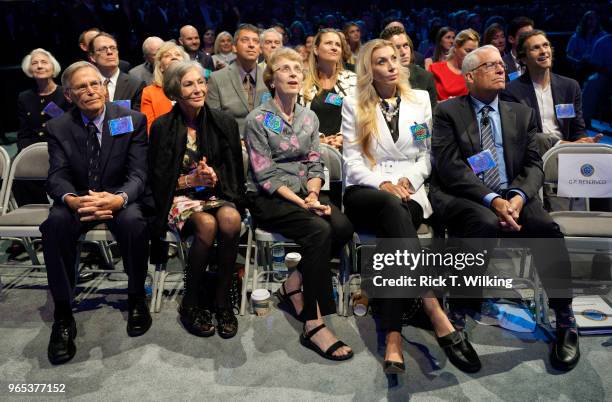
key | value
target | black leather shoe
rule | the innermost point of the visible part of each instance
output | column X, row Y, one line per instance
column 565, row 351
column 227, row 324
column 139, row 319
column 460, row 352
column 197, row 321
column 61, row 343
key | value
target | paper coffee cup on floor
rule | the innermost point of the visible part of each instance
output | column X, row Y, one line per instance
column 292, row 260
column 260, row 298
column 360, row 304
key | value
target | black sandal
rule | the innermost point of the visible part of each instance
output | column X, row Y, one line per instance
column 329, row 353
column 285, row 298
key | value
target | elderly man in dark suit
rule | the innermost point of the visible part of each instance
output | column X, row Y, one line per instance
column 499, row 198
column 239, row 88
column 97, row 173
column 121, row 88
column 557, row 100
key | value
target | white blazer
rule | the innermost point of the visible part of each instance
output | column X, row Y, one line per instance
column 405, row 158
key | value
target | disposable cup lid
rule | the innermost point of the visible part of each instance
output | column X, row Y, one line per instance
column 260, row 294
column 293, row 256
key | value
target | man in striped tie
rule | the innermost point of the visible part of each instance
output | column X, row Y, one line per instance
column 487, row 173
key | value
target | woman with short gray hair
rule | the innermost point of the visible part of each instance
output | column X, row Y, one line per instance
column 36, row 106
column 223, row 49
column 197, row 180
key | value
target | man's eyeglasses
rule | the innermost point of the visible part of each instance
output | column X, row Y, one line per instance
column 105, row 49
column 490, row 66
column 81, row 89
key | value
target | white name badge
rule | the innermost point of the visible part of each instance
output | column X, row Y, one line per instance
column 585, row 175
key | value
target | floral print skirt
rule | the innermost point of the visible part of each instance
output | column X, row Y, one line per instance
column 183, row 207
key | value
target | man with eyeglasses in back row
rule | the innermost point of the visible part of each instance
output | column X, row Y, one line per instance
column 485, row 182
column 121, row 88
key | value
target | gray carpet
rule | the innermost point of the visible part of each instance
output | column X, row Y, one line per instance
column 265, row 360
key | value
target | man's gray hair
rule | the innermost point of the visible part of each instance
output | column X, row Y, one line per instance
column 73, row 68
column 472, row 59
column 175, row 73
column 263, row 33
column 27, row 68
column 147, row 42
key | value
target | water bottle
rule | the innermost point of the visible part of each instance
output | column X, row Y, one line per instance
column 278, row 262
column 149, row 287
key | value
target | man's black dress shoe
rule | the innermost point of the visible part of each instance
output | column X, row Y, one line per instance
column 565, row 351
column 61, row 343
column 460, row 352
column 139, row 319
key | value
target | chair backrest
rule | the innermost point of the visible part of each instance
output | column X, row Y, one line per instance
column 5, row 166
column 32, row 163
column 551, row 161
column 332, row 159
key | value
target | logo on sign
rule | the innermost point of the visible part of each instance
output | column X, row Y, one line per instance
column 587, row 170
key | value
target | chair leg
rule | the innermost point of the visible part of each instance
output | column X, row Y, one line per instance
column 255, row 265
column 28, row 245
column 163, row 274
column 247, row 269
column 154, row 294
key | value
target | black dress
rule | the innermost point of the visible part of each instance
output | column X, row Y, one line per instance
column 328, row 108
column 34, row 111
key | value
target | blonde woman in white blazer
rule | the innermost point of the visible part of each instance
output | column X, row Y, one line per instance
column 386, row 131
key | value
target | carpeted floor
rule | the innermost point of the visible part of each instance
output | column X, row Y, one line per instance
column 265, row 360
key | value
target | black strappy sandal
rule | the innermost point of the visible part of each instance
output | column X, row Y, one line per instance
column 329, row 353
column 285, row 298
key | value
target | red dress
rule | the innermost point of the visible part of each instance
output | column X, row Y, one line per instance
column 447, row 82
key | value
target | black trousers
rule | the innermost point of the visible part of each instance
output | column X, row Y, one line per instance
column 319, row 237
column 388, row 217
column 468, row 219
column 63, row 228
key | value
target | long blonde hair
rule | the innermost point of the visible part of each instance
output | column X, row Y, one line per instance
column 312, row 77
column 368, row 99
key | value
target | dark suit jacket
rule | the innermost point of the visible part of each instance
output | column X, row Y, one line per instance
column 123, row 158
column 422, row 79
column 564, row 90
column 418, row 59
column 205, row 60
column 130, row 88
column 168, row 139
column 456, row 137
column 509, row 60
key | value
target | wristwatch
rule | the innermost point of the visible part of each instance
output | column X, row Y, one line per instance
column 125, row 199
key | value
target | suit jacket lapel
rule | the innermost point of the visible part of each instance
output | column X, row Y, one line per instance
column 121, row 88
column 260, row 87
column 531, row 95
column 554, row 90
column 234, row 74
column 471, row 124
column 384, row 139
column 509, row 134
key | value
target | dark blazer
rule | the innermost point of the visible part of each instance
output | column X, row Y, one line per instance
column 205, row 60
column 168, row 139
column 564, row 90
column 456, row 137
column 123, row 158
column 422, row 79
column 32, row 119
column 510, row 65
column 130, row 88
column 418, row 59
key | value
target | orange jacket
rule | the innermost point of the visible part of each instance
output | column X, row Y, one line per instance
column 154, row 103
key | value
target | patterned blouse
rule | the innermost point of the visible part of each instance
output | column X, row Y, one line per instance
column 282, row 153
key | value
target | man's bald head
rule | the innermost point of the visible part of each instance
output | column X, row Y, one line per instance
column 189, row 38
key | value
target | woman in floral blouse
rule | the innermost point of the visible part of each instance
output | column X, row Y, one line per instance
column 197, row 181
column 283, row 191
